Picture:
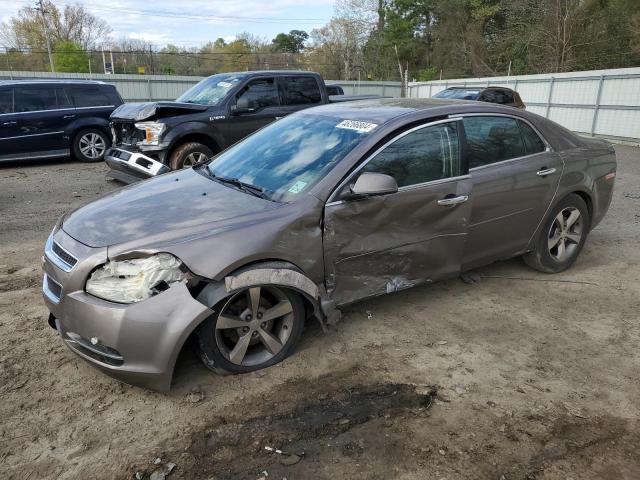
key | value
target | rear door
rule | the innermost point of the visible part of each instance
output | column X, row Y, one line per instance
column 90, row 100
column 299, row 92
column 263, row 99
column 42, row 113
column 381, row 244
column 515, row 175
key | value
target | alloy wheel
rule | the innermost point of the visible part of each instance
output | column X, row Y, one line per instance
column 92, row 145
column 565, row 234
column 254, row 325
column 194, row 158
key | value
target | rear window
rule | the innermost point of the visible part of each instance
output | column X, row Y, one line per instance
column 532, row 142
column 88, row 96
column 502, row 97
column 300, row 90
column 492, row 139
column 34, row 98
column 458, row 94
column 6, row 100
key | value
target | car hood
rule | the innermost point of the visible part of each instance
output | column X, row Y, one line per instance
column 145, row 111
column 173, row 206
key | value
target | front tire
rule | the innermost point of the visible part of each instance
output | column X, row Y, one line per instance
column 188, row 155
column 253, row 329
column 90, row 145
column 562, row 236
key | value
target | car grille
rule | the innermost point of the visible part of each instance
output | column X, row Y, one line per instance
column 63, row 255
column 126, row 133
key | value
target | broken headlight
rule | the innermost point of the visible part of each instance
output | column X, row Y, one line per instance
column 134, row 280
column 152, row 132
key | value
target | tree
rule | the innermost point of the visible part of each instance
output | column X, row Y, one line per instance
column 292, row 42
column 69, row 57
column 73, row 24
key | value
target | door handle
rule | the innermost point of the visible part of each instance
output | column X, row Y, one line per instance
column 445, row 202
column 545, row 171
column 68, row 116
column 9, row 123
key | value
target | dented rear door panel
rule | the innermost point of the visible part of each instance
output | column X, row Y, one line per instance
column 386, row 243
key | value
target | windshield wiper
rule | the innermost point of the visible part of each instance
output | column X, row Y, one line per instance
column 244, row 186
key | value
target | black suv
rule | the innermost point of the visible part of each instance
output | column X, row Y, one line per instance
column 54, row 118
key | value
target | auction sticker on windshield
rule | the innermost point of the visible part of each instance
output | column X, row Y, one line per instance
column 357, row 125
column 225, row 84
column 297, row 187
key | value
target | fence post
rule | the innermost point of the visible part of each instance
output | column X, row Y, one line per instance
column 596, row 107
column 149, row 88
column 515, row 85
column 552, row 81
column 384, row 90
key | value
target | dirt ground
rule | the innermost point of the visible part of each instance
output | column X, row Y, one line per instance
column 519, row 376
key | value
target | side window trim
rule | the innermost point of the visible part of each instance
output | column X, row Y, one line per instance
column 548, row 147
column 463, row 174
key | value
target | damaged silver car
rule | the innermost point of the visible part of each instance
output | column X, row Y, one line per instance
column 326, row 207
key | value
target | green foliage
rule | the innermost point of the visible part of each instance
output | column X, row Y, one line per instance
column 69, row 57
column 292, row 42
column 427, row 74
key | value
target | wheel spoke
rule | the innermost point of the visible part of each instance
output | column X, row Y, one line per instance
column 270, row 341
column 280, row 309
column 561, row 249
column 240, row 350
column 574, row 237
column 560, row 220
column 226, row 321
column 573, row 217
column 253, row 300
column 553, row 241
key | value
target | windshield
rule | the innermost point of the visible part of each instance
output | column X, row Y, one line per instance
column 289, row 156
column 458, row 94
column 212, row 90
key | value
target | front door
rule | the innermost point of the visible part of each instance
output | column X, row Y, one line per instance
column 10, row 141
column 381, row 244
column 263, row 100
column 515, row 176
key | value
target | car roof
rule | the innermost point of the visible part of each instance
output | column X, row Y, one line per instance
column 382, row 110
column 269, row 72
column 50, row 81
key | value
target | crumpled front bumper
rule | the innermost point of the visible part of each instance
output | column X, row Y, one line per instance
column 129, row 167
column 136, row 343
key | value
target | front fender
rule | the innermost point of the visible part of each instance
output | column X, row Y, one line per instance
column 175, row 135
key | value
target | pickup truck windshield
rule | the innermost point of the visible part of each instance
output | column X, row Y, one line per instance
column 289, row 156
column 212, row 90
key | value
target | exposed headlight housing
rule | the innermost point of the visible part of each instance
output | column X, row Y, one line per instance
column 134, row 280
column 152, row 132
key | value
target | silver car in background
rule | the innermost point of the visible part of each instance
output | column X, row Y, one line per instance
column 326, row 207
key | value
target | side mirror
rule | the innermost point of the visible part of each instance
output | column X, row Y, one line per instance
column 242, row 106
column 369, row 184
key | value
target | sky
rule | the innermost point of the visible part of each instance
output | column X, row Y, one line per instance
column 192, row 23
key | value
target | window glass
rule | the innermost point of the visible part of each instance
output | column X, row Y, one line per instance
column 34, row 98
column 428, row 154
column 503, row 97
column 492, row 139
column 211, row 90
column 289, row 156
column 6, row 100
column 88, row 96
column 63, row 99
column 458, row 94
column 532, row 141
column 261, row 93
column 300, row 90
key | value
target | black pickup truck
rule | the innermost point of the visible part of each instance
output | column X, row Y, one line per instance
column 154, row 138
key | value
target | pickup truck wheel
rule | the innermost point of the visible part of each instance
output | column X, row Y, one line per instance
column 562, row 236
column 90, row 145
column 188, row 155
column 253, row 329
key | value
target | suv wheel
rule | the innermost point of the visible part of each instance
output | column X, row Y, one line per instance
column 562, row 236
column 253, row 329
column 90, row 145
column 188, row 155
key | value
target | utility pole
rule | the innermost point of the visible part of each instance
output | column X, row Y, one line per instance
column 40, row 8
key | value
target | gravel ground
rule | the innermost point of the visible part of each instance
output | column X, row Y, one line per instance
column 519, row 376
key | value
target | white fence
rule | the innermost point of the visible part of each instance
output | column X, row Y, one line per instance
column 600, row 102
column 143, row 88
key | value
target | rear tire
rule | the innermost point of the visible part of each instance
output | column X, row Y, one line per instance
column 188, row 155
column 253, row 329
column 561, row 237
column 90, row 145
